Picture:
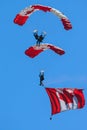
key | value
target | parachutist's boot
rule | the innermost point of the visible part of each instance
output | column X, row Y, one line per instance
column 42, row 84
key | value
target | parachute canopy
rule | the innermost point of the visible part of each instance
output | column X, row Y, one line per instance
column 22, row 17
column 36, row 50
column 63, row 99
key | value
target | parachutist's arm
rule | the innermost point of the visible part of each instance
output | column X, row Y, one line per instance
column 43, row 34
column 35, row 33
column 36, row 36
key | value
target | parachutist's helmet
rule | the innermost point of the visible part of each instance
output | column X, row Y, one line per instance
column 42, row 72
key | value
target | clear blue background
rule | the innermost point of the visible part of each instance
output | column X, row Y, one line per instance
column 24, row 105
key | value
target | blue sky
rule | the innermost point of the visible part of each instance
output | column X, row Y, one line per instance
column 24, row 105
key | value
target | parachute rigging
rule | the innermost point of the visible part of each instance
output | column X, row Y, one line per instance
column 22, row 17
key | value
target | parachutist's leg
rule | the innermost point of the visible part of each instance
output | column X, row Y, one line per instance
column 37, row 43
column 41, row 83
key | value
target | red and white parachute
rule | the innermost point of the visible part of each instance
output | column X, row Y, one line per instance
column 22, row 17
column 63, row 99
column 36, row 50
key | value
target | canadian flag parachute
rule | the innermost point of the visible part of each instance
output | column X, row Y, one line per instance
column 36, row 50
column 22, row 17
column 63, row 99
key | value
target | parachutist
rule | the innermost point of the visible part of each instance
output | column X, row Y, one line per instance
column 39, row 38
column 41, row 75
